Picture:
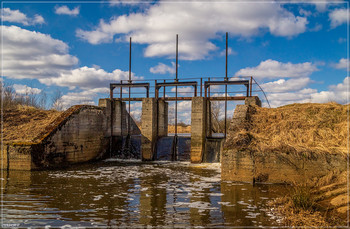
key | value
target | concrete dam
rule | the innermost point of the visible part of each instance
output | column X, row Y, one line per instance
column 86, row 133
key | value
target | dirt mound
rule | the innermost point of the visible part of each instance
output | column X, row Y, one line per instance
column 302, row 129
column 298, row 128
column 24, row 123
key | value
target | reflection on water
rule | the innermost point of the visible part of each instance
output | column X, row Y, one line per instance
column 124, row 194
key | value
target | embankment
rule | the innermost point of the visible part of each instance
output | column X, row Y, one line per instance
column 300, row 144
column 37, row 139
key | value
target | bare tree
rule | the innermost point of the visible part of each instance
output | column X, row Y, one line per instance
column 57, row 103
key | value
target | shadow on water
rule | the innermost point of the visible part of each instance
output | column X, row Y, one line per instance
column 132, row 193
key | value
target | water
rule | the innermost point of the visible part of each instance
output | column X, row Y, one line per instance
column 134, row 194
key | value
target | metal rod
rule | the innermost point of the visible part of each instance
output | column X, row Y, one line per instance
column 129, row 116
column 130, row 61
column 111, row 123
column 251, row 85
column 164, row 90
column 121, row 110
column 176, row 111
column 176, row 79
column 226, row 55
column 222, row 98
column 201, row 87
column 209, row 88
column 225, row 110
column 177, row 42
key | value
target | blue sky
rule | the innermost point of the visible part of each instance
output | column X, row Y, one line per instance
column 296, row 51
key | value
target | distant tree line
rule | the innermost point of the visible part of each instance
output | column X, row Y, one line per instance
column 10, row 98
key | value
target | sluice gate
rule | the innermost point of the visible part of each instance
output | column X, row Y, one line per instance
column 153, row 142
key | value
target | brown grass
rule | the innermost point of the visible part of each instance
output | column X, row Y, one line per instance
column 24, row 123
column 180, row 129
column 303, row 128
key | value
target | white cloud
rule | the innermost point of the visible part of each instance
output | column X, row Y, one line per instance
column 17, row 16
column 75, row 98
column 185, row 91
column 338, row 17
column 24, row 89
column 283, row 85
column 163, row 68
column 87, row 78
column 337, row 93
column 342, row 64
column 230, row 51
column 30, row 54
column 280, row 99
column 273, row 69
column 196, row 23
column 65, row 10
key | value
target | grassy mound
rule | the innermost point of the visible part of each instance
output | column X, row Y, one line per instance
column 24, row 123
column 300, row 128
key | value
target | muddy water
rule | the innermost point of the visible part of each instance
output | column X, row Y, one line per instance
column 134, row 194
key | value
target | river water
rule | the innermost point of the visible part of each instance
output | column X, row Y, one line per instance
column 116, row 193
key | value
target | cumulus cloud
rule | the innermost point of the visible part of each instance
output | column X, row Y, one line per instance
column 163, row 68
column 87, row 78
column 283, row 85
column 74, row 98
column 24, row 89
column 337, row 93
column 342, row 64
column 196, row 23
column 17, row 16
column 338, row 17
column 65, row 10
column 273, row 69
column 33, row 55
column 185, row 91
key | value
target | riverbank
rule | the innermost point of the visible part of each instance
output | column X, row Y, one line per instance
column 304, row 145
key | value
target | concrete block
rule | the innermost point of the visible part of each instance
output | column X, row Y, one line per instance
column 149, row 128
column 198, row 130
column 253, row 101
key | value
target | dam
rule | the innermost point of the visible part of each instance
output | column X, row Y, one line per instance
column 85, row 133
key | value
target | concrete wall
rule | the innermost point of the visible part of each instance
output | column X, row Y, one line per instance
column 198, row 135
column 120, row 118
column 78, row 135
column 149, row 128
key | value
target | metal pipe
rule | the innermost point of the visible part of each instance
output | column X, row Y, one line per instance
column 129, row 116
column 251, row 85
column 121, row 110
column 225, row 110
column 176, row 79
column 164, row 90
column 130, row 61
column 177, row 43
column 111, row 123
column 226, row 55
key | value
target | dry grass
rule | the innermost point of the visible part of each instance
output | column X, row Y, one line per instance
column 24, row 123
column 320, row 128
column 180, row 129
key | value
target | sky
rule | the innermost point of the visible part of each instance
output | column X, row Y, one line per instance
column 296, row 51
